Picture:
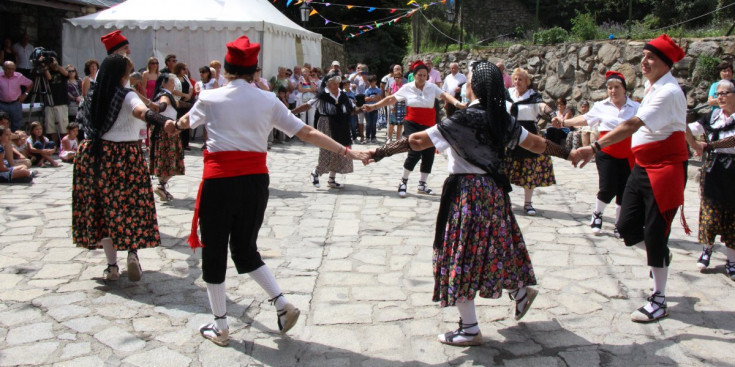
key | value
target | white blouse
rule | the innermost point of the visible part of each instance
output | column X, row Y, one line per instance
column 126, row 127
column 719, row 120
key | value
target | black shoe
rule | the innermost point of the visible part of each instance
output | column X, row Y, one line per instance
column 703, row 261
column 596, row 222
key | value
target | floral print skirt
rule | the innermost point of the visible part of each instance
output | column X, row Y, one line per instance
column 531, row 173
column 118, row 204
column 483, row 248
column 330, row 161
column 714, row 219
column 167, row 157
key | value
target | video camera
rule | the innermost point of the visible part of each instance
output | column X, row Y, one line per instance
column 41, row 57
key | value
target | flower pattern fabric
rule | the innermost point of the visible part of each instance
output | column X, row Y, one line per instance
column 118, row 204
column 531, row 173
column 714, row 219
column 483, row 247
column 168, row 156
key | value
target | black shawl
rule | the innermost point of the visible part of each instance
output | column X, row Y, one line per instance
column 339, row 116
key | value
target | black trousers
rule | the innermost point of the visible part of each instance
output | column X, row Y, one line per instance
column 426, row 156
column 231, row 211
column 640, row 219
column 613, row 174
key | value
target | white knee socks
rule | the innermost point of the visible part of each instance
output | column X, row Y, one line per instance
column 600, row 206
column 468, row 315
column 424, row 177
column 218, row 302
column 406, row 173
column 267, row 281
column 660, row 276
column 110, row 251
column 617, row 213
column 528, row 195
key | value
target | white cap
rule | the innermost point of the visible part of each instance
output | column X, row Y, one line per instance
column 335, row 63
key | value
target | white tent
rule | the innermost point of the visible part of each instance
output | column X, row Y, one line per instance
column 196, row 31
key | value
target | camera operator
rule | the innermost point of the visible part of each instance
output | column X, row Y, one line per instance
column 57, row 112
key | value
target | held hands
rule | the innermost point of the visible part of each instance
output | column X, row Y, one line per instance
column 170, row 127
column 699, row 148
column 360, row 155
column 557, row 122
column 583, row 155
column 368, row 108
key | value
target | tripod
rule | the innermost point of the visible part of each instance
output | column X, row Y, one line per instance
column 42, row 90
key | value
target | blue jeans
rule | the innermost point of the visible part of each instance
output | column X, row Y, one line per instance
column 15, row 112
column 353, row 127
column 371, row 122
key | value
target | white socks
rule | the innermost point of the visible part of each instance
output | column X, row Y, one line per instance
column 660, row 276
column 600, row 206
column 406, row 173
column 468, row 315
column 218, row 302
column 110, row 251
column 267, row 281
column 617, row 213
column 424, row 177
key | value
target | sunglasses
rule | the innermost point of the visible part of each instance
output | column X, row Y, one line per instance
column 288, row 74
column 71, row 71
column 153, row 63
column 723, row 94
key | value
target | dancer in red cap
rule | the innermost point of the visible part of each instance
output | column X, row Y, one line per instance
column 233, row 193
column 115, row 42
column 421, row 115
column 614, row 161
column 655, row 189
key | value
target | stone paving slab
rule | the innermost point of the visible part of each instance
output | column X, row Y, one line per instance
column 357, row 262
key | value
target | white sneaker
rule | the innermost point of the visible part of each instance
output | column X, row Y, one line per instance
column 596, row 223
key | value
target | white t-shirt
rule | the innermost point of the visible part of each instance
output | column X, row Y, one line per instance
column 663, row 111
column 126, row 127
column 451, row 82
column 605, row 114
column 415, row 97
column 719, row 120
column 239, row 117
column 455, row 163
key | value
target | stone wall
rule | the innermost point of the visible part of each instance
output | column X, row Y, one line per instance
column 43, row 24
column 488, row 19
column 577, row 70
column 332, row 51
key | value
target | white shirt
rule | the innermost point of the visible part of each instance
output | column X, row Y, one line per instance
column 23, row 55
column 295, row 95
column 718, row 121
column 239, row 117
column 126, row 127
column 221, row 80
column 663, row 111
column 451, row 82
column 415, row 97
column 606, row 116
column 526, row 112
column 455, row 163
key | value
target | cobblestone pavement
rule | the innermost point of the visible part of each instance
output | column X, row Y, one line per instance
column 358, row 263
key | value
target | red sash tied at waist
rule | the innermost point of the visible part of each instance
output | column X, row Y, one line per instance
column 221, row 165
column 663, row 161
column 619, row 150
column 421, row 115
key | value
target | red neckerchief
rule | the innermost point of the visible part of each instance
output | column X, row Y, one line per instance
column 221, row 165
column 663, row 162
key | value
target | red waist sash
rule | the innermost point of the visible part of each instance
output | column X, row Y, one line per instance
column 421, row 116
column 619, row 150
column 221, row 165
column 663, row 163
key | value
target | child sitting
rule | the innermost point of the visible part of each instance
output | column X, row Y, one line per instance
column 20, row 148
column 69, row 143
column 40, row 147
column 8, row 171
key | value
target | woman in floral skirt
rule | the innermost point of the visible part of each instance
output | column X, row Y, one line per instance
column 478, row 246
column 112, row 200
column 167, row 154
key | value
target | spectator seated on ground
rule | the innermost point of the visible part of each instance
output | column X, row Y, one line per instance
column 69, row 144
column 20, row 148
column 10, row 172
column 40, row 147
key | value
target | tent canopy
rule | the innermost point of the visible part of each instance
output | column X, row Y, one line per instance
column 196, row 31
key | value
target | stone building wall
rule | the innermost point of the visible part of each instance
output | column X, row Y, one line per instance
column 332, row 51
column 489, row 19
column 576, row 71
column 43, row 24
